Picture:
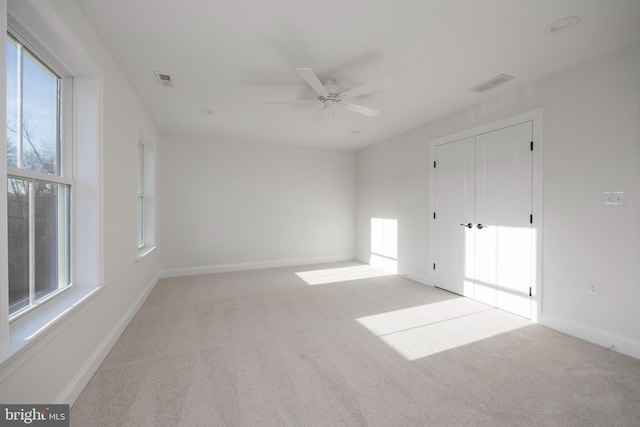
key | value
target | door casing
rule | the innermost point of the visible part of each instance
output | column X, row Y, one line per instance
column 534, row 116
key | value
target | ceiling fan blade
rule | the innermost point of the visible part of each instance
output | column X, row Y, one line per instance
column 304, row 101
column 367, row 88
column 319, row 114
column 310, row 77
column 360, row 109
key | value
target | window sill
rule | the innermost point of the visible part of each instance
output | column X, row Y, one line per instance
column 33, row 331
column 143, row 252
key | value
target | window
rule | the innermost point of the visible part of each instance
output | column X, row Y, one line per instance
column 38, row 183
column 145, row 194
column 141, row 207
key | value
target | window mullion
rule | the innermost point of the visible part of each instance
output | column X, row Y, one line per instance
column 32, row 243
column 66, row 126
column 142, row 221
column 19, row 106
column 60, row 161
column 61, row 236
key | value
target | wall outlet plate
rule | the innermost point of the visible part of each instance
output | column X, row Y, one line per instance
column 615, row 198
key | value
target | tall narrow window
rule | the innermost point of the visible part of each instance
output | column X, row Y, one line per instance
column 146, row 194
column 141, row 201
column 38, row 189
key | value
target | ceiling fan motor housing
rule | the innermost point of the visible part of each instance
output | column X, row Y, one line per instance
column 334, row 91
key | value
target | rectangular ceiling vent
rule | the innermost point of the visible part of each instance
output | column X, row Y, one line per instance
column 491, row 83
column 163, row 79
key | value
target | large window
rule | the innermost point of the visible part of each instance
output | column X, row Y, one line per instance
column 38, row 182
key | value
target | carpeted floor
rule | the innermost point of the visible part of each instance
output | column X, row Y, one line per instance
column 341, row 345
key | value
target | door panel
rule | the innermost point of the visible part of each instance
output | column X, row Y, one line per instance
column 503, row 204
column 497, row 165
column 455, row 193
column 503, row 175
column 486, row 179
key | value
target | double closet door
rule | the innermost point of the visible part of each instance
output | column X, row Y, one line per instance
column 483, row 223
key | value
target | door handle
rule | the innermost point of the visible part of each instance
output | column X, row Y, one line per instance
column 467, row 225
column 480, row 226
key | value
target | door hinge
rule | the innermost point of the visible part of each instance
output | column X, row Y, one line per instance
column 529, row 290
column 530, row 219
column 434, row 164
column 434, row 265
column 434, row 215
column 531, row 145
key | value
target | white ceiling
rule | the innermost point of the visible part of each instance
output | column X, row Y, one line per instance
column 232, row 56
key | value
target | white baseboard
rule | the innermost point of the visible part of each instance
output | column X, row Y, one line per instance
column 72, row 391
column 606, row 339
column 225, row 268
column 365, row 259
column 416, row 277
column 420, row 278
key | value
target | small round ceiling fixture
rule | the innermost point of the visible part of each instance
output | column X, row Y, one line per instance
column 206, row 111
column 562, row 25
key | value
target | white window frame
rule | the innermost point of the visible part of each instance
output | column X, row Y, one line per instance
column 64, row 177
column 141, row 198
column 145, row 195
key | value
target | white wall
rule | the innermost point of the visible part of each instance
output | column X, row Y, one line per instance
column 231, row 205
column 591, row 135
column 60, row 370
column 392, row 177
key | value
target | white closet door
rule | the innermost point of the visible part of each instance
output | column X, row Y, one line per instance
column 455, row 194
column 503, row 233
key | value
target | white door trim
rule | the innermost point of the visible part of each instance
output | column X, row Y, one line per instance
column 534, row 116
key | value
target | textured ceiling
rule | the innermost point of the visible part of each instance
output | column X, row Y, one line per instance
column 233, row 56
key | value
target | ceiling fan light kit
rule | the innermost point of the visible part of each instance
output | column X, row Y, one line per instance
column 330, row 94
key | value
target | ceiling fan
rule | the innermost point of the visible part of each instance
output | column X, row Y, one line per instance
column 330, row 94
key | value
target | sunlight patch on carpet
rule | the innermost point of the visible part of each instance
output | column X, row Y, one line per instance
column 429, row 329
column 341, row 274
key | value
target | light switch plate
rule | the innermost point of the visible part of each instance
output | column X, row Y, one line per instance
column 593, row 288
column 615, row 198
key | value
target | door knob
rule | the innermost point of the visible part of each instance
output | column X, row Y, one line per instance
column 467, row 225
column 480, row 226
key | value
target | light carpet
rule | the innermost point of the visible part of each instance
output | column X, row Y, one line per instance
column 345, row 345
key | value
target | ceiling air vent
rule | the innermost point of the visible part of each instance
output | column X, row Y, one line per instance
column 491, row 83
column 163, row 79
